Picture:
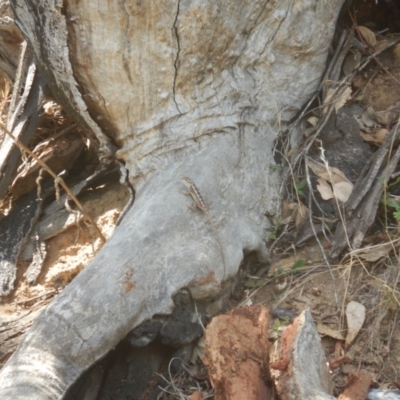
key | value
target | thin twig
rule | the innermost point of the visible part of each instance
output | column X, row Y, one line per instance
column 51, row 292
column 315, row 233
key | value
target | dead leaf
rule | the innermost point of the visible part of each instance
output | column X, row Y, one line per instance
column 381, row 134
column 309, row 131
column 313, row 121
column 351, row 61
column 330, row 93
column 288, row 209
column 389, row 116
column 384, row 117
column 342, row 100
column 326, row 331
column 374, row 253
column 376, row 137
column 342, row 190
column 301, row 214
column 316, row 167
column 330, row 174
column 341, row 186
column 381, row 45
column 324, row 189
column 355, row 315
column 368, row 36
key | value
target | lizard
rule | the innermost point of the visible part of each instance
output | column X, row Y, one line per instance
column 199, row 203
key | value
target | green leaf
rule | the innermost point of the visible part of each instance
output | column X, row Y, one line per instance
column 396, row 215
column 299, row 264
column 277, row 324
column 392, row 203
column 280, row 271
column 254, row 283
column 300, row 186
column 395, row 182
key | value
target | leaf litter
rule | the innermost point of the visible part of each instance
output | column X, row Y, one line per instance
column 361, row 334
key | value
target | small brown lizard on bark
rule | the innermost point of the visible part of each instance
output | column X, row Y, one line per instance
column 199, row 202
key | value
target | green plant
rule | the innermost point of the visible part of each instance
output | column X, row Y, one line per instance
column 273, row 233
column 393, row 204
column 300, row 186
column 298, row 264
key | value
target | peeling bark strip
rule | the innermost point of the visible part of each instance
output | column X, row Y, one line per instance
column 45, row 27
column 10, row 41
column 23, row 124
column 207, row 107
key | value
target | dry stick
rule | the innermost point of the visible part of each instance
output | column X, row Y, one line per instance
column 337, row 59
column 23, row 60
column 375, row 54
column 333, row 69
column 268, row 281
column 379, row 178
column 344, row 83
column 56, row 178
column 344, row 226
column 315, row 233
column 295, row 284
column 383, row 177
column 37, row 297
column 341, row 87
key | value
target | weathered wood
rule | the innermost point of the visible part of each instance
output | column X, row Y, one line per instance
column 12, row 328
column 363, row 203
column 13, row 228
column 237, row 354
column 306, row 376
column 23, row 126
column 10, row 41
column 185, row 88
column 59, row 154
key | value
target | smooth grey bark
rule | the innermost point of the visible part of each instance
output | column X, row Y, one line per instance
column 184, row 88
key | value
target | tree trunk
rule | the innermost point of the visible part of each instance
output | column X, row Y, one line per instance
column 172, row 89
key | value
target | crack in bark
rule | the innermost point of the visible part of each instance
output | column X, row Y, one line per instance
column 177, row 56
column 126, row 41
column 250, row 31
column 57, row 67
column 71, row 326
column 277, row 29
